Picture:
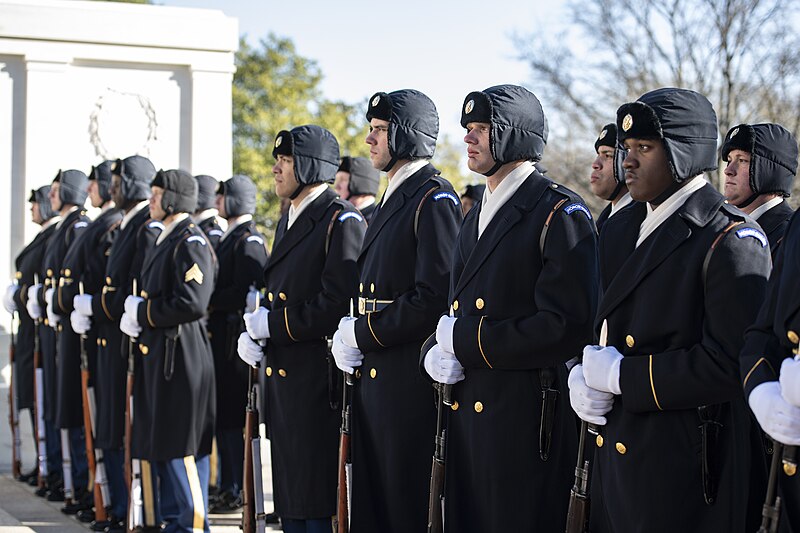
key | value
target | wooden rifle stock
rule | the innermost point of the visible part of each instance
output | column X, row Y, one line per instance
column 88, row 425
column 250, row 432
column 578, row 512
column 38, row 405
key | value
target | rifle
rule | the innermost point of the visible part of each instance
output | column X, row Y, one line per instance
column 579, row 504
column 98, row 485
column 66, row 453
column 253, row 515
column 38, row 406
column 436, row 497
column 13, row 407
column 342, row 520
column 771, row 511
column 132, row 467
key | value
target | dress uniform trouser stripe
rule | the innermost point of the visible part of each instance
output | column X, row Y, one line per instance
column 147, row 491
column 197, row 494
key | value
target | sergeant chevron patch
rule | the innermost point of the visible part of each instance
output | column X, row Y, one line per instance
column 194, row 273
column 571, row 208
column 754, row 233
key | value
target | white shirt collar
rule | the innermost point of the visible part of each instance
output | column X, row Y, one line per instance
column 204, row 214
column 180, row 217
column 656, row 217
column 313, row 195
column 763, row 208
column 493, row 200
column 62, row 219
column 233, row 223
column 132, row 213
column 622, row 202
column 47, row 223
column 402, row 174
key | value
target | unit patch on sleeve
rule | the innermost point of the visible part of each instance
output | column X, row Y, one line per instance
column 571, row 208
column 754, row 233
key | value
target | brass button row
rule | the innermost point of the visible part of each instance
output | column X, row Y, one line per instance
column 101, row 341
column 479, row 304
column 144, row 349
column 793, row 337
column 621, row 448
column 281, row 295
column 371, row 287
column 281, row 372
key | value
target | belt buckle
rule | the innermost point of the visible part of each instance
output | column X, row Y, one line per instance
column 362, row 306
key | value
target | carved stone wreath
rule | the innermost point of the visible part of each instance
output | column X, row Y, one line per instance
column 122, row 124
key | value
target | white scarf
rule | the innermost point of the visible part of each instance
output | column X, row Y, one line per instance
column 233, row 224
column 132, row 213
column 313, row 195
column 180, row 217
column 402, row 174
column 760, row 210
column 622, row 202
column 493, row 200
column 659, row 215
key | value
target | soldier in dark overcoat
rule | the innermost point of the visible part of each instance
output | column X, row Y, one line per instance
column 674, row 447
column 242, row 256
column 174, row 426
column 310, row 279
column 28, row 263
column 63, row 396
column 404, row 274
column 206, row 216
column 607, row 180
column 524, row 289
column 761, row 162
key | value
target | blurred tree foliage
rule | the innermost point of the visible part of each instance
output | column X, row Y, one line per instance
column 275, row 88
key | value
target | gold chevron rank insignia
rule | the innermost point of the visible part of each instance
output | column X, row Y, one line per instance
column 194, row 273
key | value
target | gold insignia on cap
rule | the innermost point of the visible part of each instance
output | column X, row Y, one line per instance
column 602, row 134
column 627, row 122
column 194, row 273
column 469, row 107
column 375, row 101
column 734, row 132
column 278, row 141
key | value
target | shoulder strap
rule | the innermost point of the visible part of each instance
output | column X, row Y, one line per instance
column 546, row 227
column 330, row 230
column 714, row 244
column 419, row 207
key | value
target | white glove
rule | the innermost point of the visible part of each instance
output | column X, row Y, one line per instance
column 443, row 366
column 444, row 333
column 8, row 299
column 132, row 305
column 250, row 301
column 257, row 324
column 129, row 325
column 249, row 351
column 601, row 368
column 80, row 322
column 779, row 419
column 52, row 318
column 347, row 331
column 790, row 381
column 347, row 358
column 83, row 304
column 32, row 305
column 590, row 404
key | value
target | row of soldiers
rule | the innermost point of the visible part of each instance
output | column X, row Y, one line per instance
column 509, row 311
